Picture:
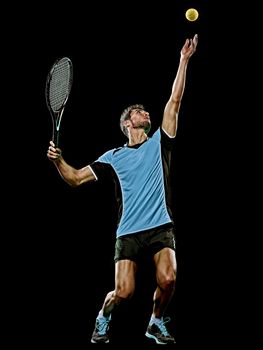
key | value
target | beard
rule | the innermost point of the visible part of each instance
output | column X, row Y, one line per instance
column 146, row 125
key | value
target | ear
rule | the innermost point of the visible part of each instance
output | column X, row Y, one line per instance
column 127, row 123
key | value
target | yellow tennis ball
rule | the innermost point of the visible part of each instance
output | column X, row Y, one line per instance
column 191, row 14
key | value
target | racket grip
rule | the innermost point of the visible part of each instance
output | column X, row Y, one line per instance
column 55, row 138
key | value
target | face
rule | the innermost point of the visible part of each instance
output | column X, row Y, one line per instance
column 140, row 119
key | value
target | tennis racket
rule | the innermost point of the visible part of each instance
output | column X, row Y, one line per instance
column 58, row 87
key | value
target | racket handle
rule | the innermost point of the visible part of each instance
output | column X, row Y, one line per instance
column 55, row 137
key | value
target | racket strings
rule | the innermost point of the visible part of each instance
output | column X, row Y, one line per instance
column 60, row 85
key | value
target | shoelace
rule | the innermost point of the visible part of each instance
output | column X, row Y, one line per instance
column 102, row 325
column 162, row 326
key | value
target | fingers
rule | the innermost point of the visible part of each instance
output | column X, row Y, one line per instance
column 52, row 148
column 53, row 153
column 190, row 46
column 195, row 39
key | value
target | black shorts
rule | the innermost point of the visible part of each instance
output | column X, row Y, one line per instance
column 151, row 241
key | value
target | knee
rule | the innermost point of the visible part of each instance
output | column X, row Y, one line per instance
column 167, row 282
column 124, row 293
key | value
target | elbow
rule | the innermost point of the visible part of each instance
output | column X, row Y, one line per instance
column 73, row 184
column 74, row 181
column 79, row 177
column 176, row 100
column 78, row 180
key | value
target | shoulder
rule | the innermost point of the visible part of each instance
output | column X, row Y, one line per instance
column 161, row 136
column 157, row 134
column 108, row 155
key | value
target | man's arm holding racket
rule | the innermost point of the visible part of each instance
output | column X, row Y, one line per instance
column 74, row 177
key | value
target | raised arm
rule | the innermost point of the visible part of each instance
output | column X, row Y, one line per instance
column 74, row 177
column 171, row 111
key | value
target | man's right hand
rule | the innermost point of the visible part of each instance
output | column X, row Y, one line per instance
column 53, row 153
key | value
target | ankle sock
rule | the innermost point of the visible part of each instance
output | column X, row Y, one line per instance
column 102, row 317
column 155, row 320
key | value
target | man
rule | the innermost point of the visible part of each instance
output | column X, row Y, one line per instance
column 140, row 170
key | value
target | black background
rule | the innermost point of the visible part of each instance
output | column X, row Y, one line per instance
column 62, row 253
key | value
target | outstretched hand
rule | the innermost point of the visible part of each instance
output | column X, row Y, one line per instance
column 53, row 153
column 189, row 47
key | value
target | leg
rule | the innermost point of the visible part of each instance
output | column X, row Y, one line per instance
column 125, row 271
column 165, row 263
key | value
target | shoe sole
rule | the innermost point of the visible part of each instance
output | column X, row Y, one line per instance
column 99, row 342
column 151, row 336
column 148, row 335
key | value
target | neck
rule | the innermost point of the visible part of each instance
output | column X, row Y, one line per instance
column 137, row 138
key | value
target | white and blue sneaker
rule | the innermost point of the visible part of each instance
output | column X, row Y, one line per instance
column 100, row 333
column 159, row 333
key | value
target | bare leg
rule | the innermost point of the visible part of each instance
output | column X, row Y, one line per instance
column 125, row 271
column 165, row 263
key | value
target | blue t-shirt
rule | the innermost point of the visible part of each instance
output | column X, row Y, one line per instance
column 141, row 175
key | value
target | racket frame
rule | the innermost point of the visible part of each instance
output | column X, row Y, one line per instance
column 57, row 115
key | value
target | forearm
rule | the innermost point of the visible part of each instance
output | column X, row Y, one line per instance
column 74, row 177
column 179, row 82
column 67, row 172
